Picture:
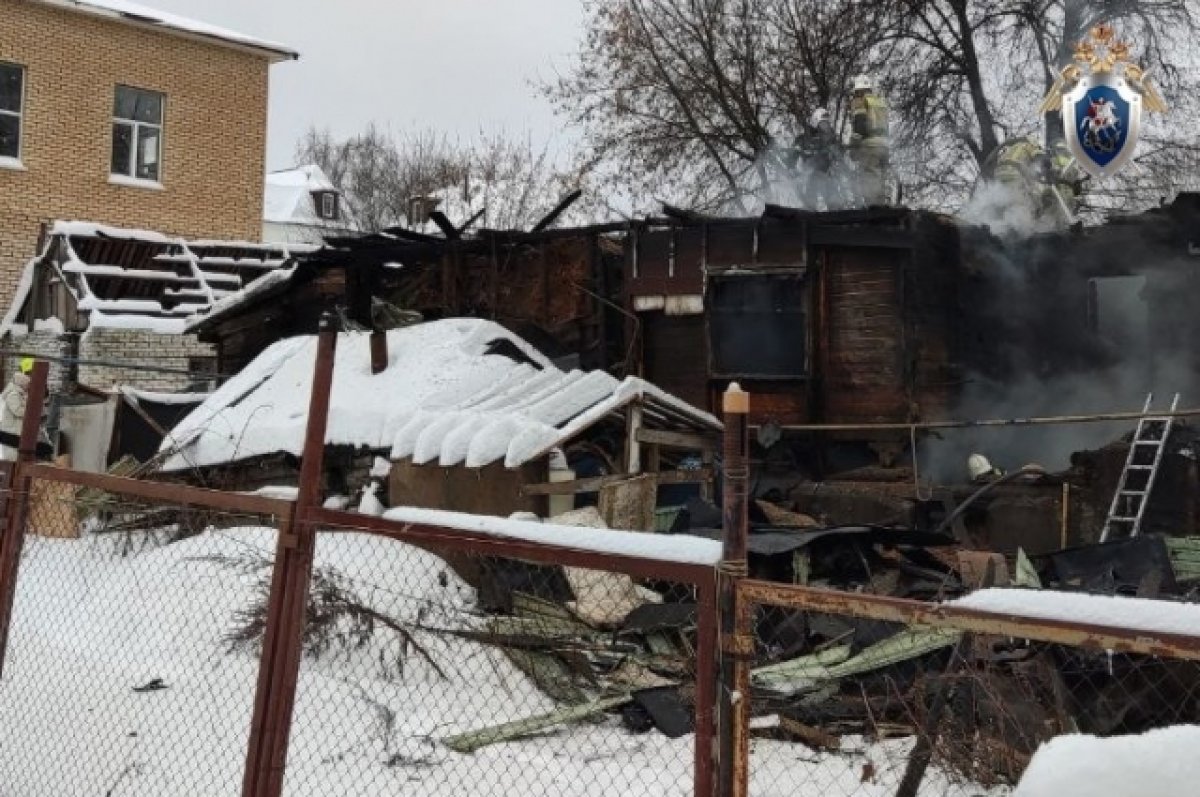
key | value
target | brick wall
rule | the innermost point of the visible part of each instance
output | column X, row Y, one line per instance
column 214, row 133
column 49, row 343
column 171, row 352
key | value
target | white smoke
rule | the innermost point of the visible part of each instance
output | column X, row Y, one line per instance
column 780, row 177
column 1006, row 211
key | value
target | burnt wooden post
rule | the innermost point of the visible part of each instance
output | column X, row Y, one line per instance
column 16, row 514
column 737, row 640
column 379, row 351
column 283, row 637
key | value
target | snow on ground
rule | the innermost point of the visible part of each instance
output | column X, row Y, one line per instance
column 1151, row 616
column 91, row 626
column 1162, row 763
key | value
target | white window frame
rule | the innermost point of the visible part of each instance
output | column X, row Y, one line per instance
column 131, row 176
column 14, row 161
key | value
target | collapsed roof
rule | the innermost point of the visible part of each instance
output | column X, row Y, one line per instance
column 455, row 392
column 93, row 276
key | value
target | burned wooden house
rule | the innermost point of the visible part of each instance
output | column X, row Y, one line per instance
column 558, row 289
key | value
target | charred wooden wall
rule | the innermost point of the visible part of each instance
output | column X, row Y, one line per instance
column 551, row 292
column 296, row 310
column 877, row 319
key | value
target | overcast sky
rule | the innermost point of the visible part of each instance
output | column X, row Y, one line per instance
column 452, row 65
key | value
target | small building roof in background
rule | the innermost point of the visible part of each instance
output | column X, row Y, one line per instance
column 458, row 391
column 121, row 278
column 288, row 196
column 137, row 14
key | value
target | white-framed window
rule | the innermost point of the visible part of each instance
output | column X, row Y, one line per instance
column 137, row 134
column 12, row 103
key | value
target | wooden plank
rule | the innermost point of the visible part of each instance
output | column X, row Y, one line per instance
column 593, row 484
column 633, row 449
column 690, row 441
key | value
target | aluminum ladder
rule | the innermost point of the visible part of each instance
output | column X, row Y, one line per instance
column 1141, row 469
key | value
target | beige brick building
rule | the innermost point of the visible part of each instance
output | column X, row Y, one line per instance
column 183, row 153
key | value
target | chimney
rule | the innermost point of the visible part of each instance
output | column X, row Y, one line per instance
column 379, row 351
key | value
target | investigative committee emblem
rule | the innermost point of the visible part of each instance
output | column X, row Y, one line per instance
column 1102, row 96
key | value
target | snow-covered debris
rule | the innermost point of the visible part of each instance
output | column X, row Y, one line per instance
column 1149, row 616
column 1162, row 763
column 446, row 396
column 369, row 503
column 156, row 283
column 139, row 14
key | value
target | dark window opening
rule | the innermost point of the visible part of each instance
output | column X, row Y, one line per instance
column 327, row 205
column 757, row 326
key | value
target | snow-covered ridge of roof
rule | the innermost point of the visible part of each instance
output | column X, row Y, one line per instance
column 138, row 14
column 444, row 397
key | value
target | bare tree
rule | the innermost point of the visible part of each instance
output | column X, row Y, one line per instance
column 966, row 74
column 687, row 99
column 393, row 180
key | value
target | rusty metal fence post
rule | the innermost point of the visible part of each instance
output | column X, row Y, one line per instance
column 16, row 517
column 283, row 637
column 736, row 642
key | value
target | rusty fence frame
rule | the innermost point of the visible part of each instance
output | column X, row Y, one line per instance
column 299, row 522
column 752, row 594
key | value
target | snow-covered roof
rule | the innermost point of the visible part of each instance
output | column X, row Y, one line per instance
column 288, row 197
column 137, row 14
column 443, row 398
column 138, row 279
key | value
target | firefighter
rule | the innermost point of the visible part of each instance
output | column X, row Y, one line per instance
column 1066, row 177
column 820, row 151
column 1019, row 166
column 869, row 139
column 12, row 410
column 1048, row 183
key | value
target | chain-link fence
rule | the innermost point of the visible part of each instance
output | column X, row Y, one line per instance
column 459, row 671
column 120, row 675
column 866, row 697
column 137, row 637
